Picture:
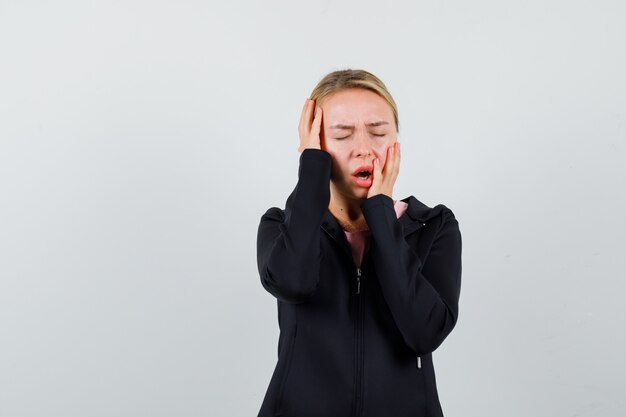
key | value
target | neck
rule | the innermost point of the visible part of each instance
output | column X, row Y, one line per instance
column 347, row 211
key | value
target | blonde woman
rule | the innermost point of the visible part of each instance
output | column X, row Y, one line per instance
column 367, row 286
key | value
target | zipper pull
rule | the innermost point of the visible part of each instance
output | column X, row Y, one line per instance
column 358, row 280
column 419, row 362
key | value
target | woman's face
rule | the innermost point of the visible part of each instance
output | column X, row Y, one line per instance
column 357, row 127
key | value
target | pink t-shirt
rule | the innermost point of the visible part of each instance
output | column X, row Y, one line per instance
column 360, row 241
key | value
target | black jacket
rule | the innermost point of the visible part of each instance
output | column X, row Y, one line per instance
column 357, row 341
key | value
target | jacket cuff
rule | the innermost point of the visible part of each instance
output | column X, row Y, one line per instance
column 376, row 201
column 315, row 155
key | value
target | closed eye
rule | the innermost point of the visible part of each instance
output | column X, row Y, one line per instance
column 374, row 134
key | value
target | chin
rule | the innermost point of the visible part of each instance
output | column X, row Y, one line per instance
column 351, row 191
column 362, row 193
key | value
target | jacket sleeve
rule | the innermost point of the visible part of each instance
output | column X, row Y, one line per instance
column 288, row 243
column 422, row 296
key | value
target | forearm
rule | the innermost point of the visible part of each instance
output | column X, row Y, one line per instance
column 288, row 247
column 422, row 295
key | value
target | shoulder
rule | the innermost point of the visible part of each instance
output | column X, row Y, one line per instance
column 419, row 211
column 274, row 213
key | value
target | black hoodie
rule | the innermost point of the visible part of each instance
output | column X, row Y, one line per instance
column 357, row 341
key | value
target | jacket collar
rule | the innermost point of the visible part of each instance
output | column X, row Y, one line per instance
column 417, row 214
column 415, row 217
column 331, row 226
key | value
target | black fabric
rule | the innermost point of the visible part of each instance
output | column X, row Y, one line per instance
column 347, row 349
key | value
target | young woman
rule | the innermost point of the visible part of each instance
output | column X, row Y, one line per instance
column 367, row 286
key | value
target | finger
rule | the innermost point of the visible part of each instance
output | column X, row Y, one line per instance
column 377, row 181
column 389, row 172
column 395, row 159
column 305, row 117
column 302, row 113
column 317, row 123
column 394, row 165
column 378, row 175
column 398, row 158
column 389, row 159
column 309, row 114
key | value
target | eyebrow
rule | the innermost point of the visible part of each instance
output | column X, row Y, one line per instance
column 351, row 127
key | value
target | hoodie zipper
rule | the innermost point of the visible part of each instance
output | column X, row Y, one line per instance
column 359, row 345
column 358, row 400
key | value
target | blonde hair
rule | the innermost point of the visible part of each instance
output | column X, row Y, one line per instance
column 349, row 78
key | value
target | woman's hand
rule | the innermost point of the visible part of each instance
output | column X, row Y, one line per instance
column 309, row 128
column 385, row 178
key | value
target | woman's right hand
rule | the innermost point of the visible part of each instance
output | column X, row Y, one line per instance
column 309, row 128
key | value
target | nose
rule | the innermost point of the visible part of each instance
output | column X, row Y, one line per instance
column 362, row 144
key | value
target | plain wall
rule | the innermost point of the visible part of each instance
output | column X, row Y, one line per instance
column 141, row 141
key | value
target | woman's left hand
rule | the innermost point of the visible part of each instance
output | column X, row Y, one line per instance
column 385, row 178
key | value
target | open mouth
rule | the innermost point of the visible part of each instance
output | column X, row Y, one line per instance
column 363, row 172
column 363, row 176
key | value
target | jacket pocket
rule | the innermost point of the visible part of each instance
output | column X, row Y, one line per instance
column 285, row 376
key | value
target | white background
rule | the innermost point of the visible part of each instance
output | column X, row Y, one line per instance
column 141, row 141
